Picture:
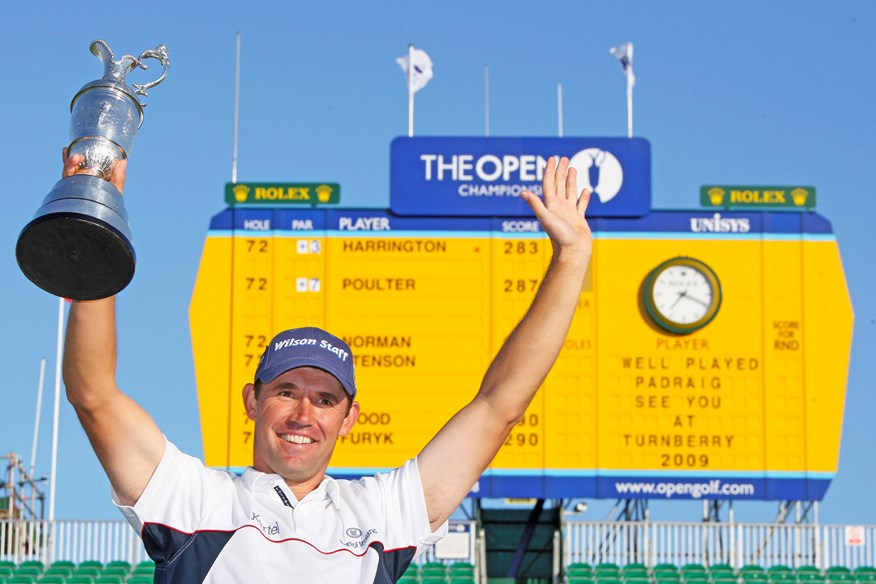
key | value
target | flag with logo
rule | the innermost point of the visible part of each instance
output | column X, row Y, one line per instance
column 420, row 68
column 624, row 53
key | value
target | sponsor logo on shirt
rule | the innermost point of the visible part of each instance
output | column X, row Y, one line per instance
column 268, row 528
column 358, row 538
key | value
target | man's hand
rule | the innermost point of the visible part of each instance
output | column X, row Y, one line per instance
column 562, row 213
column 72, row 166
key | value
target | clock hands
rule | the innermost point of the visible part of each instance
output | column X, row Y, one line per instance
column 697, row 300
column 684, row 294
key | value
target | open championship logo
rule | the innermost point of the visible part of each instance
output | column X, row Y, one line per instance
column 599, row 171
column 483, row 177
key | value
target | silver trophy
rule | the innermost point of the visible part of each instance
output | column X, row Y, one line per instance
column 78, row 244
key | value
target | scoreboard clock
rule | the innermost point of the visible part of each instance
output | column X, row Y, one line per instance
column 682, row 295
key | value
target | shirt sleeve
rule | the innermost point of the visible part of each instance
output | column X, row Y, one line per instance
column 179, row 493
column 405, row 503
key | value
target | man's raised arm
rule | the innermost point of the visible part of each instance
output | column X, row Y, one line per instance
column 454, row 459
column 126, row 440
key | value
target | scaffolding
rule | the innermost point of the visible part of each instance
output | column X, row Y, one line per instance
column 22, row 509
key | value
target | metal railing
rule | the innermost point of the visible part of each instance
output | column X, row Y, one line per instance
column 105, row 541
column 75, row 541
column 739, row 544
column 620, row 543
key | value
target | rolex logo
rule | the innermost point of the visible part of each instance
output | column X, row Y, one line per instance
column 324, row 193
column 241, row 193
column 716, row 195
column 799, row 195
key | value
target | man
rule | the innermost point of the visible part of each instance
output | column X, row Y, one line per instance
column 283, row 520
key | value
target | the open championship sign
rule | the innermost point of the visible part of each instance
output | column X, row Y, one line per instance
column 484, row 176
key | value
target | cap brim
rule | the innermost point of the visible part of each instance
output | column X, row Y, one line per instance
column 271, row 373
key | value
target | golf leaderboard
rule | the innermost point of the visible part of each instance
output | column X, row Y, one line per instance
column 708, row 355
column 707, row 358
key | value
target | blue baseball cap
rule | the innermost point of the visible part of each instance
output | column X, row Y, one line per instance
column 308, row 347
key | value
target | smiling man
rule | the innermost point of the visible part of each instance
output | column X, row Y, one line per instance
column 302, row 402
column 284, row 519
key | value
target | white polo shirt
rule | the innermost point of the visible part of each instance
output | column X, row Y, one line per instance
column 212, row 526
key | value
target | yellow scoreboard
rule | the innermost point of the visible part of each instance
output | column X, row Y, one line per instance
column 707, row 358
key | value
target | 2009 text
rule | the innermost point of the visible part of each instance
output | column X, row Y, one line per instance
column 684, row 460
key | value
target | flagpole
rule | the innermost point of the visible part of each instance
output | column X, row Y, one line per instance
column 560, row 109
column 410, row 91
column 624, row 53
column 629, row 107
column 487, row 101
column 58, row 356
column 236, row 108
column 36, row 423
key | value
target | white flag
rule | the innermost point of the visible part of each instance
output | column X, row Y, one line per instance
column 624, row 53
column 422, row 69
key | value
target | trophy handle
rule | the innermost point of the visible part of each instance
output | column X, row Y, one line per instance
column 160, row 53
column 115, row 71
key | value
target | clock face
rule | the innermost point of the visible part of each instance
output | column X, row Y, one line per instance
column 682, row 295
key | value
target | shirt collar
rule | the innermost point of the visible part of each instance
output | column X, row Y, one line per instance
column 257, row 480
column 332, row 491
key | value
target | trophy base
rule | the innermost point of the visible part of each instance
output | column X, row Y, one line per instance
column 78, row 244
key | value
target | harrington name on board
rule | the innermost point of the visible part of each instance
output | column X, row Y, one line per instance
column 485, row 176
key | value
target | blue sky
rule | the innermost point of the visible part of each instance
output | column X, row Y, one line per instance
column 746, row 92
